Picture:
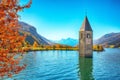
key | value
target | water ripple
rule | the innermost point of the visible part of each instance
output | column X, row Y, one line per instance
column 67, row 65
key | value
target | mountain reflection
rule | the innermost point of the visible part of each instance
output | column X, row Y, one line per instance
column 86, row 66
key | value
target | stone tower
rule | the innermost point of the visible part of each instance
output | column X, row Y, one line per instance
column 85, row 39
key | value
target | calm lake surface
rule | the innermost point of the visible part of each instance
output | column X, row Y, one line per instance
column 67, row 65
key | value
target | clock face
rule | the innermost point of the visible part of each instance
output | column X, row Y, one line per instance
column 88, row 41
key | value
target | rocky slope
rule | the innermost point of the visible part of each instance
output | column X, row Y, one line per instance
column 109, row 39
column 32, row 34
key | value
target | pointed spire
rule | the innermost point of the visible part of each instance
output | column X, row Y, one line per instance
column 85, row 25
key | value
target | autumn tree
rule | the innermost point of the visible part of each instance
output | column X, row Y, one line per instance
column 98, row 48
column 58, row 46
column 26, row 44
column 10, row 39
column 35, row 44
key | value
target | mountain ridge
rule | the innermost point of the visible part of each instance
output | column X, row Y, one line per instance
column 109, row 39
column 68, row 41
column 32, row 34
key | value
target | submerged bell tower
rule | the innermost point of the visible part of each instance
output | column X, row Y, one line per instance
column 86, row 39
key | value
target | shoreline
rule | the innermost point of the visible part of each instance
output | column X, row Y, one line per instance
column 57, row 49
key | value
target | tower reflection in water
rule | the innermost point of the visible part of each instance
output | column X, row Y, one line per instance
column 86, row 66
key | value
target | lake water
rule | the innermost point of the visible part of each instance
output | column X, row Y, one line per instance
column 67, row 65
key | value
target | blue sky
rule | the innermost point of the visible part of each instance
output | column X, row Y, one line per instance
column 57, row 19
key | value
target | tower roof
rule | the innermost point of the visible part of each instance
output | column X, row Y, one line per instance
column 85, row 25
